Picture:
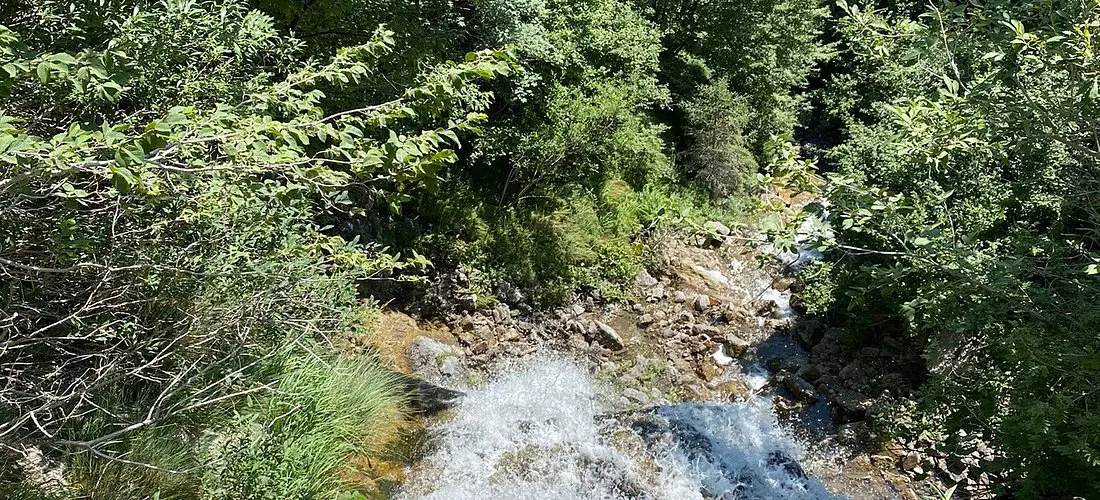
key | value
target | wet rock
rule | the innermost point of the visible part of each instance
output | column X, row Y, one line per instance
column 736, row 390
column 608, row 337
column 735, row 346
column 852, row 403
column 788, row 464
column 809, row 332
column 851, row 433
column 782, row 283
column 790, row 364
column 801, row 389
column 426, row 398
column 810, row 372
column 436, row 362
column 708, row 371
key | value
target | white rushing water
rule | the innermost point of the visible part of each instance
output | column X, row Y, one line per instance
column 541, row 432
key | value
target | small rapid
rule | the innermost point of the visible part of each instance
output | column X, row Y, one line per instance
column 547, row 430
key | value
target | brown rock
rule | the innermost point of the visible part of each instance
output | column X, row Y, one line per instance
column 702, row 329
column 735, row 346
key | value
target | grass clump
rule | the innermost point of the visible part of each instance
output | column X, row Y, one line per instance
column 296, row 442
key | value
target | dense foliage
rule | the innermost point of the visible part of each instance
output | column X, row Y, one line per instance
column 965, row 214
column 199, row 198
column 197, row 194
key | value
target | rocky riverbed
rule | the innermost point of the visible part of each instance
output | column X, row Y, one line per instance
column 714, row 325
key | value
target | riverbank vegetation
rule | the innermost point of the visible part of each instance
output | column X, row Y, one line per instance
column 200, row 200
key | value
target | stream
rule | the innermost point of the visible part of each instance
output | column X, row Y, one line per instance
column 543, row 431
column 547, row 428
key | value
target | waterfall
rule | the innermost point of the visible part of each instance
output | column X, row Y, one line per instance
column 546, row 430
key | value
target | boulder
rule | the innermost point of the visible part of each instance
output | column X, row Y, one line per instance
column 810, row 372
column 852, row 433
column 436, row 362
column 735, row 346
column 782, row 283
column 910, row 461
column 608, row 337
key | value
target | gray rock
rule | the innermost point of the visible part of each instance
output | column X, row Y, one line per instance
column 635, row 396
column 655, row 293
column 782, row 283
column 645, row 320
column 577, row 309
column 436, row 362
column 645, row 280
column 701, row 303
column 679, row 297
column 508, row 293
column 851, row 433
column 608, row 337
column 809, row 332
column 466, row 302
column 854, row 404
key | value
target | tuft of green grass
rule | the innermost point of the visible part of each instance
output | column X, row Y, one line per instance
column 296, row 442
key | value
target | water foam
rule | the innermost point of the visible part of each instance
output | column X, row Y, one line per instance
column 541, row 432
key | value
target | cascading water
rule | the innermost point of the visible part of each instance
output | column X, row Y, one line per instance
column 544, row 432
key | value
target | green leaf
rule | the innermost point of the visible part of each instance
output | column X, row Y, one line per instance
column 43, row 71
